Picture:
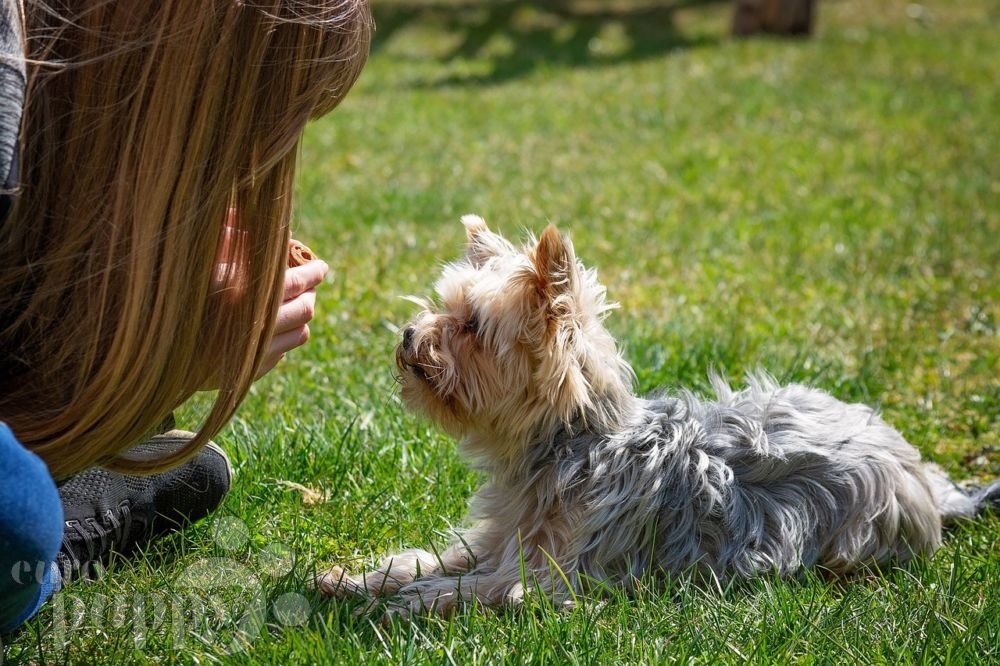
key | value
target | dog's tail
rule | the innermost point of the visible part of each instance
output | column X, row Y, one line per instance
column 957, row 503
column 987, row 497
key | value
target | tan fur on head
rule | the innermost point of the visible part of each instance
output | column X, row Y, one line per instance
column 514, row 347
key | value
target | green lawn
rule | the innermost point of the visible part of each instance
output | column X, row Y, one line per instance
column 827, row 208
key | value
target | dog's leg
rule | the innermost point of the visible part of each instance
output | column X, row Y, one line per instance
column 508, row 568
column 397, row 571
column 441, row 595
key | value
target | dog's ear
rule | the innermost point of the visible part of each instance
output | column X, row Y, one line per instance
column 555, row 263
column 481, row 242
column 560, row 375
column 474, row 226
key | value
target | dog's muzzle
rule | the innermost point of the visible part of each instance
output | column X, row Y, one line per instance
column 406, row 357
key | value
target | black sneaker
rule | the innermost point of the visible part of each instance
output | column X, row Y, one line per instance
column 108, row 512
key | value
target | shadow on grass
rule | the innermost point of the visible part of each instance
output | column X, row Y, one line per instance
column 565, row 33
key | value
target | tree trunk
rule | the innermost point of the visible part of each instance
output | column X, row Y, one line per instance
column 778, row 17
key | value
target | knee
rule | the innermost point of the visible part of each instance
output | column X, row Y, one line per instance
column 31, row 518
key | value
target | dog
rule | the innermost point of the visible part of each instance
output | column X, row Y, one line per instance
column 588, row 482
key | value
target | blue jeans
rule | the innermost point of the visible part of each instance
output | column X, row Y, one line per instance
column 31, row 528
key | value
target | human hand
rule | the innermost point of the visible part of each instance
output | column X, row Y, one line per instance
column 291, row 329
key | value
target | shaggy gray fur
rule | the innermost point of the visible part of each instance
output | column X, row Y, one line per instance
column 769, row 479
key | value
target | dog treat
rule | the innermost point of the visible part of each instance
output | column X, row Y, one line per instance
column 299, row 254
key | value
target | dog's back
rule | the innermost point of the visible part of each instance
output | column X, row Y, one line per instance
column 769, row 479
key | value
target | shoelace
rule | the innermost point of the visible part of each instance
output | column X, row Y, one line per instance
column 118, row 532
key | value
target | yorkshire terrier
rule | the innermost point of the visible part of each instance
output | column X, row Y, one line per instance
column 589, row 482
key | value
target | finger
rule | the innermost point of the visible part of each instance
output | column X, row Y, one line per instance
column 284, row 343
column 295, row 313
column 268, row 366
column 280, row 345
column 304, row 277
column 289, row 340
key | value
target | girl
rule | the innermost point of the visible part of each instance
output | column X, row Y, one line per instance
column 143, row 256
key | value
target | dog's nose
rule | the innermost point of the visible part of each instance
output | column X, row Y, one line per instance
column 408, row 337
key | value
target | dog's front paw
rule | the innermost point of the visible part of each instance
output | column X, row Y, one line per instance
column 421, row 602
column 338, row 584
column 379, row 583
column 437, row 596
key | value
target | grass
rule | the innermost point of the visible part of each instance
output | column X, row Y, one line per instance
column 826, row 208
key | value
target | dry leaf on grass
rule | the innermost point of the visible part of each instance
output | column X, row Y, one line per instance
column 310, row 496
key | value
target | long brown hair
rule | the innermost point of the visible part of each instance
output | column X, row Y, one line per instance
column 145, row 123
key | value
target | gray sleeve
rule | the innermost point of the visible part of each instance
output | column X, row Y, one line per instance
column 12, row 80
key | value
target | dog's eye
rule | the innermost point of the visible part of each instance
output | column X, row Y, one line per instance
column 471, row 325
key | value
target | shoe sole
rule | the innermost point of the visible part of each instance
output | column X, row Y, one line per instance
column 229, row 465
